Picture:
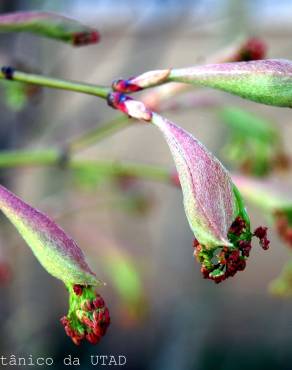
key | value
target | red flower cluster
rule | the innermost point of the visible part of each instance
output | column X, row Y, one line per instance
column 90, row 318
column 218, row 266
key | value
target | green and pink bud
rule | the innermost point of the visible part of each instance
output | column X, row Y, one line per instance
column 263, row 81
column 50, row 25
column 60, row 256
column 213, row 205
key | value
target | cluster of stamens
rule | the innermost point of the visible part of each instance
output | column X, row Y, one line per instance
column 226, row 261
column 88, row 317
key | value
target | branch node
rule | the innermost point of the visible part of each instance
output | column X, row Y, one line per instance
column 8, row 72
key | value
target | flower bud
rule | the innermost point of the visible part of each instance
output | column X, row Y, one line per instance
column 88, row 318
column 50, row 25
column 213, row 205
column 263, row 81
column 55, row 250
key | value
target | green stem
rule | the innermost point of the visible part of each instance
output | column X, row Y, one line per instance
column 24, row 158
column 19, row 158
column 55, row 83
column 136, row 170
column 92, row 136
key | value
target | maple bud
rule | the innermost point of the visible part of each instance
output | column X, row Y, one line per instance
column 62, row 258
column 51, row 25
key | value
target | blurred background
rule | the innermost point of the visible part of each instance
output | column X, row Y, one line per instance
column 135, row 234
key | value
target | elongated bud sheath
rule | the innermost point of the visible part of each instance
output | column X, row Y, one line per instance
column 208, row 192
column 263, row 81
column 54, row 249
column 273, row 198
column 250, row 49
column 51, row 25
column 63, row 259
column 213, row 205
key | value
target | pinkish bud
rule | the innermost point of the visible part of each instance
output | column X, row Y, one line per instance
column 213, row 205
column 51, row 25
column 263, row 81
column 55, row 250
column 62, row 258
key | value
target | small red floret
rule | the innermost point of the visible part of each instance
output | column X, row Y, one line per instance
column 261, row 233
column 78, row 289
column 85, row 38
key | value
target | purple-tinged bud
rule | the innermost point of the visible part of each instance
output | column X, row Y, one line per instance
column 62, row 258
column 213, row 205
column 208, row 191
column 250, row 49
column 263, row 81
column 147, row 79
column 55, row 250
column 50, row 25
